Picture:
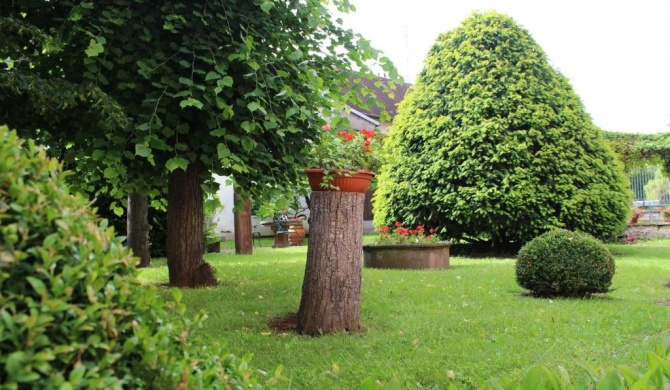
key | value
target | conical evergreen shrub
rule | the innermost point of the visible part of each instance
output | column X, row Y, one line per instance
column 492, row 143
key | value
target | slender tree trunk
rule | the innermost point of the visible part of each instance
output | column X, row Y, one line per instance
column 138, row 227
column 331, row 291
column 243, row 238
column 185, row 235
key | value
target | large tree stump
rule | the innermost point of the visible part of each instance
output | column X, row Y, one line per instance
column 331, row 291
column 137, row 227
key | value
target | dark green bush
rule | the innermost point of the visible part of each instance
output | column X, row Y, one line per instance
column 566, row 264
column 72, row 314
column 492, row 144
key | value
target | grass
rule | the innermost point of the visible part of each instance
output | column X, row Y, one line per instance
column 419, row 326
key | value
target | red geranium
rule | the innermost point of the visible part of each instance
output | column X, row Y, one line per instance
column 347, row 150
column 405, row 235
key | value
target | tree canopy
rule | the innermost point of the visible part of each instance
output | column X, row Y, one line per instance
column 230, row 87
column 492, row 143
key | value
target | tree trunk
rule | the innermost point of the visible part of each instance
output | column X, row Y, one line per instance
column 138, row 227
column 185, row 230
column 331, row 290
column 243, row 239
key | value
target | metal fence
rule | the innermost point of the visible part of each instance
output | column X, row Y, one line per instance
column 651, row 191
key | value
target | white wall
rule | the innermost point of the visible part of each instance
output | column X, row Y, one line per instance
column 225, row 221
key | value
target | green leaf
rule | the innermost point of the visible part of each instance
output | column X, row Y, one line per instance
column 248, row 126
column 291, row 111
column 177, row 294
column 142, row 150
column 191, row 102
column 266, row 6
column 222, row 151
column 15, row 363
column 227, row 81
column 95, row 47
column 248, row 144
column 611, row 381
column 110, row 173
column 533, row 379
column 175, row 163
column 369, row 384
column 98, row 154
column 37, row 285
column 212, row 76
column 253, row 106
column 217, row 132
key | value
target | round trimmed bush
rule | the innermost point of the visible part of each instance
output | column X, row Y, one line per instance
column 72, row 313
column 564, row 263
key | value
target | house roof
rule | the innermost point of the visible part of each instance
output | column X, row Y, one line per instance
column 390, row 103
column 359, row 114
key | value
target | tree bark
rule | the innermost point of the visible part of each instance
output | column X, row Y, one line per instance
column 138, row 227
column 185, row 235
column 331, row 291
column 243, row 238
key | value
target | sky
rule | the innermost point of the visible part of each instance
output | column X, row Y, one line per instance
column 616, row 53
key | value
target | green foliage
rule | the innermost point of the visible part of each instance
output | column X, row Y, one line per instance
column 566, row 264
column 657, row 188
column 492, row 143
column 627, row 148
column 657, row 376
column 72, row 313
column 238, row 85
column 212, row 207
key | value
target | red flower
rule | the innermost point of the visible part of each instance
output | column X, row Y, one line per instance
column 366, row 133
column 325, row 127
column 346, row 135
column 384, row 229
column 432, row 230
column 398, row 224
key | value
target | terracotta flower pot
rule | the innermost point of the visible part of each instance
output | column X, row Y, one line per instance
column 354, row 182
column 296, row 232
column 410, row 256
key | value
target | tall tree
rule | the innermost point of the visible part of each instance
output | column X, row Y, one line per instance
column 229, row 87
column 42, row 92
column 492, row 143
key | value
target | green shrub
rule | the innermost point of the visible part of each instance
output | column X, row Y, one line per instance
column 491, row 143
column 564, row 263
column 72, row 314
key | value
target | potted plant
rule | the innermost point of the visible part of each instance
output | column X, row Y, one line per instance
column 665, row 212
column 402, row 247
column 343, row 160
column 636, row 213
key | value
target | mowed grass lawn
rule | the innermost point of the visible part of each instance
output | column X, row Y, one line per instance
column 430, row 329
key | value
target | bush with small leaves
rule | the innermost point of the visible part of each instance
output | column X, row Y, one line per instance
column 72, row 313
column 566, row 264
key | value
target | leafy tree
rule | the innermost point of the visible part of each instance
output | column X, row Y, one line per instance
column 43, row 93
column 492, row 143
column 231, row 87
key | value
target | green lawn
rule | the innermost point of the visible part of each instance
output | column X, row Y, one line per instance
column 420, row 326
